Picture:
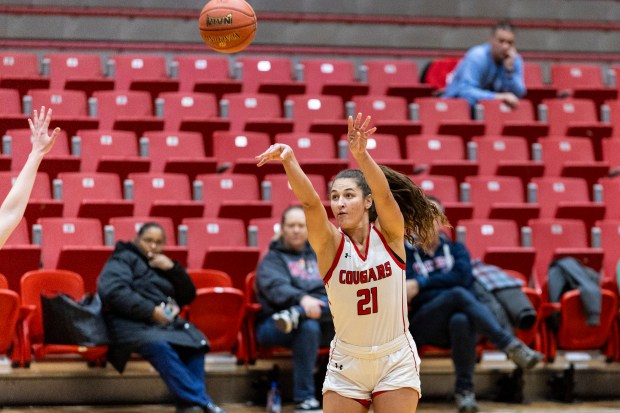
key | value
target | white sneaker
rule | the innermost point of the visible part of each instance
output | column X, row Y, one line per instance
column 287, row 320
column 309, row 405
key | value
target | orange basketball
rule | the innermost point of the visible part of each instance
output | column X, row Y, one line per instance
column 227, row 26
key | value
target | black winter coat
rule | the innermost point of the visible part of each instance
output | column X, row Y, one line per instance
column 130, row 289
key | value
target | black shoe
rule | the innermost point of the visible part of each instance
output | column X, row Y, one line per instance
column 213, row 408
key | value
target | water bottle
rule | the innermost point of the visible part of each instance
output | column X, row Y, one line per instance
column 274, row 399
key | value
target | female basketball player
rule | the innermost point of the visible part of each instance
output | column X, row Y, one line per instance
column 373, row 358
column 14, row 204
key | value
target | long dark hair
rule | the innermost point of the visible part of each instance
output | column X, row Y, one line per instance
column 419, row 213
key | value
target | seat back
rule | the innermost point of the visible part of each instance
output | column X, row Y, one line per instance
column 21, row 147
column 80, row 186
column 308, row 108
column 62, row 102
column 497, row 113
column 425, row 149
column 16, row 64
column 228, row 146
column 440, row 186
column 164, row 146
column 562, row 112
column 282, row 195
column 33, row 283
column 218, row 312
column 58, row 233
column 382, row 108
column 556, row 151
column 70, row 66
column 432, row 111
column 552, row 191
column 9, row 313
column 114, row 104
column 245, row 106
column 217, row 188
column 187, row 105
column 491, row 150
column 98, row 144
column 309, row 146
column 320, row 72
column 481, row 234
column 128, row 68
column 203, row 233
column 152, row 187
column 196, row 68
column 575, row 75
column 485, row 191
column 11, row 104
column 383, row 73
column 126, row 228
column 258, row 70
column 209, row 278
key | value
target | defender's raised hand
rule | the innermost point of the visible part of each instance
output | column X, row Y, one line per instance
column 358, row 134
column 42, row 142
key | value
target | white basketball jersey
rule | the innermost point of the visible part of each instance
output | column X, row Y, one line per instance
column 366, row 292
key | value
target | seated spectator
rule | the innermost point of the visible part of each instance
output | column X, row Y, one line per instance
column 142, row 291
column 294, row 304
column 444, row 312
column 492, row 70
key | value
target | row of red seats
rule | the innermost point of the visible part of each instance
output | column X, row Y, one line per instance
column 218, row 310
column 397, row 77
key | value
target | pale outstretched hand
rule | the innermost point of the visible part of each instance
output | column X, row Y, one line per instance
column 42, row 142
column 276, row 152
column 357, row 134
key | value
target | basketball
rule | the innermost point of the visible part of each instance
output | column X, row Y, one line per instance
column 227, row 26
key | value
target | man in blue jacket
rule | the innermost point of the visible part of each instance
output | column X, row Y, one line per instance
column 492, row 70
column 445, row 312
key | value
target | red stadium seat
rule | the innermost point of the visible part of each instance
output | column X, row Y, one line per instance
column 255, row 112
column 572, row 157
column 125, row 110
column 439, row 72
column 611, row 154
column 191, row 112
column 219, row 313
column 501, row 119
column 232, row 196
column 611, row 196
column 505, row 156
column 21, row 71
column 142, row 72
column 448, row 117
column 16, row 142
column 163, row 194
column 92, row 195
column 390, row 114
column 40, row 204
column 277, row 189
column 331, row 77
column 261, row 231
column 9, row 316
column 238, row 150
column 581, row 81
column 268, row 74
column 440, row 155
column 205, row 74
column 393, row 77
column 177, row 152
column 19, row 255
column 445, row 188
column 317, row 114
column 74, row 244
column 33, row 283
column 554, row 238
column 315, row 152
column 577, row 117
column 69, row 107
column 497, row 242
column 537, row 90
column 109, row 151
column 209, row 278
column 567, row 198
column 11, row 117
column 77, row 71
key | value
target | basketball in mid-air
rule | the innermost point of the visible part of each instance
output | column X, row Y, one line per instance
column 227, row 26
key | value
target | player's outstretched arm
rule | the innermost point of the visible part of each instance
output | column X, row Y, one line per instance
column 14, row 205
column 321, row 232
column 389, row 215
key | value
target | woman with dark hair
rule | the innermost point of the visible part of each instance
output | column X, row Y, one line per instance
column 373, row 358
column 142, row 291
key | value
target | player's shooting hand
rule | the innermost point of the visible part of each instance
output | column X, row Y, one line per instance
column 276, row 152
column 358, row 134
column 42, row 142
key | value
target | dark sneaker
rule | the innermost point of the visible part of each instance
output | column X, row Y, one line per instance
column 466, row 402
column 310, row 405
column 287, row 320
column 522, row 355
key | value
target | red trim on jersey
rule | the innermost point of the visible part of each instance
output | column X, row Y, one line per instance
column 395, row 257
column 415, row 362
column 336, row 260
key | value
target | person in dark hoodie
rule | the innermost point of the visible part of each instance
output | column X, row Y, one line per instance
column 142, row 291
column 445, row 312
column 291, row 292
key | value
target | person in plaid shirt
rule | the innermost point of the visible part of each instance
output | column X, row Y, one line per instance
column 444, row 312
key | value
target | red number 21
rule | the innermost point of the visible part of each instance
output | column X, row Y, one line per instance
column 368, row 301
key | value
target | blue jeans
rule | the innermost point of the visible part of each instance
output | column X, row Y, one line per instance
column 181, row 368
column 304, row 342
column 453, row 319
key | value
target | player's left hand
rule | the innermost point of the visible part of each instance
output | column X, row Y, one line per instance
column 358, row 134
column 42, row 142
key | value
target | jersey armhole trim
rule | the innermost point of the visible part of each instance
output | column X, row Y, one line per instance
column 336, row 260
